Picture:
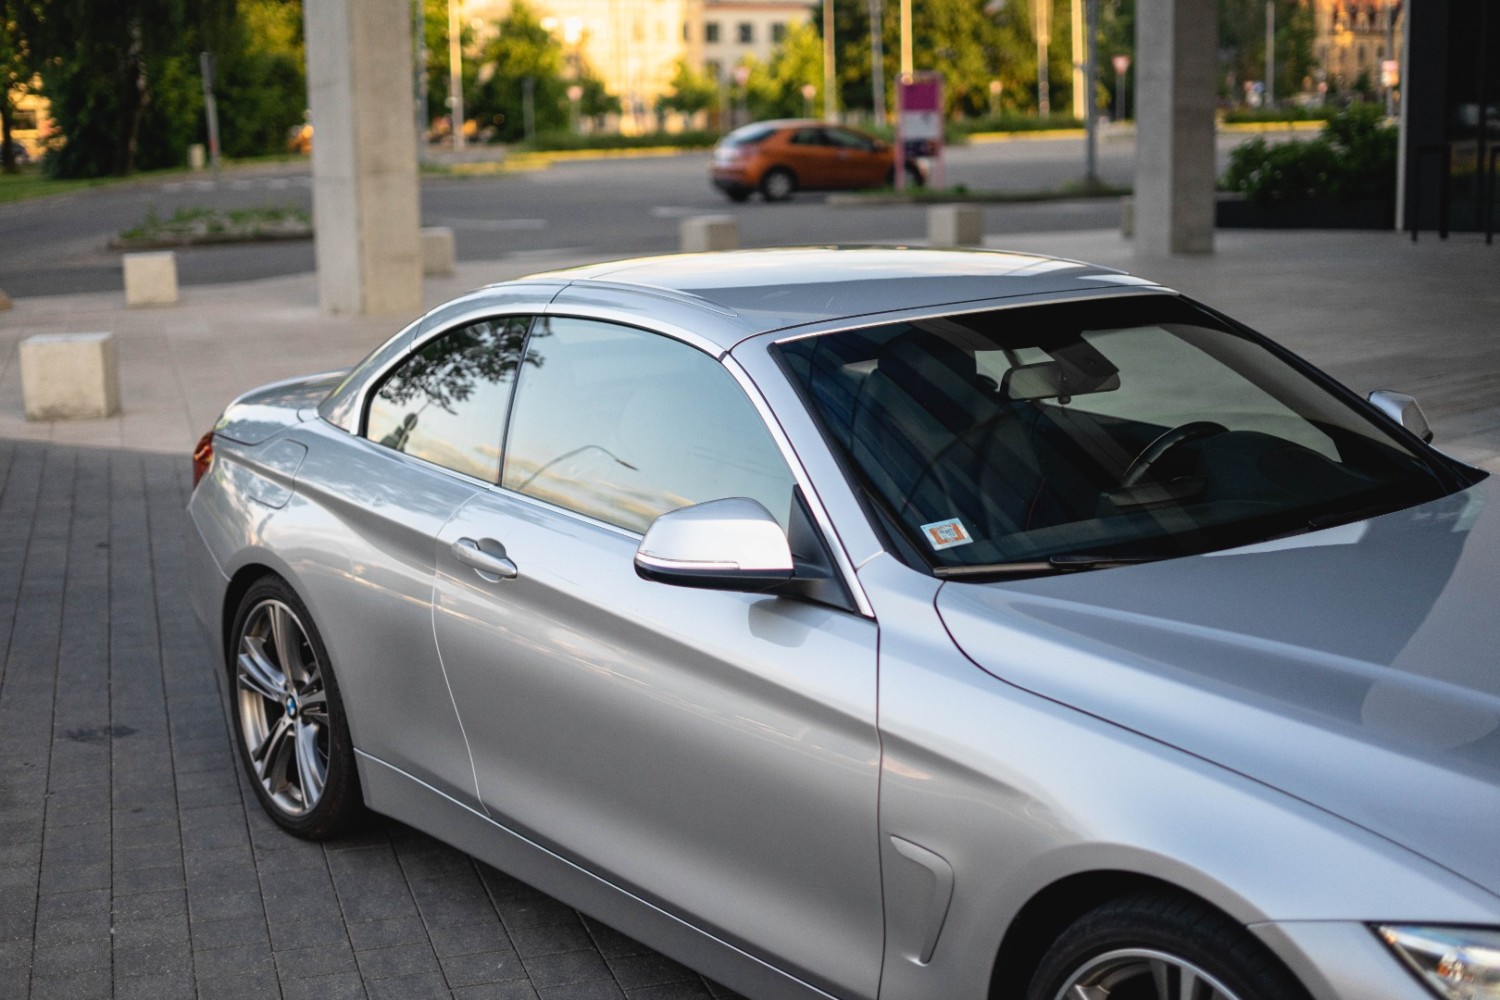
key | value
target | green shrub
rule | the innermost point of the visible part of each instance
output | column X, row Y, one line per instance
column 1352, row 159
column 565, row 141
column 1289, row 114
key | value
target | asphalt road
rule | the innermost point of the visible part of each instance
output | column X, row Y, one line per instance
column 59, row 244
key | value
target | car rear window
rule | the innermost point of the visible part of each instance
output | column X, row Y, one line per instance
column 749, row 135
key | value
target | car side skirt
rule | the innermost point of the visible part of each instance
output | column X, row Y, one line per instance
column 393, row 792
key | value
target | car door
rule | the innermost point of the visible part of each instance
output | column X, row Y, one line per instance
column 713, row 752
column 430, row 438
column 859, row 163
column 811, row 158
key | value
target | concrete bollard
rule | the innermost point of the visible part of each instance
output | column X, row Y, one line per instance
column 1127, row 217
column 150, row 278
column 698, row 233
column 438, row 255
column 197, row 156
column 955, row 226
column 70, row 376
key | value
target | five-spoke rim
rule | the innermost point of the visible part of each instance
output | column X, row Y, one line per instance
column 1141, row 974
column 283, row 707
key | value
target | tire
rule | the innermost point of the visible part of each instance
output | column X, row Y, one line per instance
column 738, row 195
column 1152, row 946
column 288, row 719
column 778, row 184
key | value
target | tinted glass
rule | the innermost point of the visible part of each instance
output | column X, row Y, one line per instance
column 446, row 404
column 1134, row 429
column 622, row 425
column 749, row 135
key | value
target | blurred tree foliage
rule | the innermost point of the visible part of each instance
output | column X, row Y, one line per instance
column 125, row 82
column 689, row 91
column 20, row 22
column 1242, row 45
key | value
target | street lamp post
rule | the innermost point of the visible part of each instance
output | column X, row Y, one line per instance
column 1042, row 23
column 742, row 77
column 455, row 76
column 830, row 100
column 995, row 88
column 808, row 93
column 1122, row 66
column 575, row 94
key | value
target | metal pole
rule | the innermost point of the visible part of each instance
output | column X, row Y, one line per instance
column 906, row 60
column 455, row 76
column 1090, row 98
column 1043, row 26
column 528, row 108
column 830, row 100
column 877, row 59
column 1270, row 100
column 419, row 67
column 210, row 108
column 1390, row 54
column 1119, row 96
column 1080, row 105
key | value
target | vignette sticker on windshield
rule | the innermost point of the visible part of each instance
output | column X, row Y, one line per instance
column 946, row 534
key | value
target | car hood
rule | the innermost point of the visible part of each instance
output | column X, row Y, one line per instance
column 1356, row 668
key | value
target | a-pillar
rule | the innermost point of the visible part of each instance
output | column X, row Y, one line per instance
column 1177, row 42
column 365, row 198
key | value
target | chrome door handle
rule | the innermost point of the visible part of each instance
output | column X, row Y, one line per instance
column 468, row 552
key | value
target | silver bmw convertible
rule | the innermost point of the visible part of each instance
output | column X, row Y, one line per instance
column 884, row 623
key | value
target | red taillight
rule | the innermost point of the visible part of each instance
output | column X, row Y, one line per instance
column 203, row 456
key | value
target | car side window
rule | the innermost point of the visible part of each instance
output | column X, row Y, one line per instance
column 848, row 140
column 622, row 425
column 446, row 403
column 807, row 137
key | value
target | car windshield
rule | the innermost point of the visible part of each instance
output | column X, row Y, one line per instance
column 1074, row 436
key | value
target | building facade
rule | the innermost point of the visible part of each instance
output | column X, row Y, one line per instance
column 1355, row 41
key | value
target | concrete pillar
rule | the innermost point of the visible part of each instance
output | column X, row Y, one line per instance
column 699, row 233
column 438, row 256
column 365, row 201
column 955, row 226
column 150, row 278
column 69, row 376
column 1176, row 44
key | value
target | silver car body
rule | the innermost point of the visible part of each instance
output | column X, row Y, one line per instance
column 899, row 799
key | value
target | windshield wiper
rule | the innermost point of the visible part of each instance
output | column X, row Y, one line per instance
column 1069, row 562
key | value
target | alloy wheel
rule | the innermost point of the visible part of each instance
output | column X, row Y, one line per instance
column 282, row 701
column 1141, row 974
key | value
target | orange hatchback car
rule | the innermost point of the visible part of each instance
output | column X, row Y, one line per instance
column 777, row 158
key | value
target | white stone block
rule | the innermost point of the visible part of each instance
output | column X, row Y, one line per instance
column 437, row 250
column 1127, row 217
column 150, row 278
column 699, row 233
column 197, row 156
column 955, row 226
column 70, row 376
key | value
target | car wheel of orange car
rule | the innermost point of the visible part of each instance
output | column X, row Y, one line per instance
column 778, row 184
column 738, row 195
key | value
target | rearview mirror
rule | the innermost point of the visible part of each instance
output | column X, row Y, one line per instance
column 732, row 544
column 1403, row 409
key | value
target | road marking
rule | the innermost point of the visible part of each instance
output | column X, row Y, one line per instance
column 676, row 211
column 495, row 225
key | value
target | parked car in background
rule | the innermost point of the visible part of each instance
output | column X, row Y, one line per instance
column 778, row 158
column 884, row 623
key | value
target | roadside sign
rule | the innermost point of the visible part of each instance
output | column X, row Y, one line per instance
column 919, row 124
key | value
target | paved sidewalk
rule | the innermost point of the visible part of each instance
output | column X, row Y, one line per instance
column 134, row 859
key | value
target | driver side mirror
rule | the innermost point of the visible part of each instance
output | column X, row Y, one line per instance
column 1403, row 409
column 732, row 544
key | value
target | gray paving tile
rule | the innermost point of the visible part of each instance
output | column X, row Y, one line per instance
column 343, row 986
column 483, row 967
column 396, row 960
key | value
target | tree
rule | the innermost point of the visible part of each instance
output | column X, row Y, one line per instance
column 262, row 87
column 775, row 88
column 690, row 92
column 20, row 21
column 523, row 49
column 123, row 79
column 1242, row 41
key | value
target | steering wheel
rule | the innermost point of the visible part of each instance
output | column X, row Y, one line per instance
column 1140, row 466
